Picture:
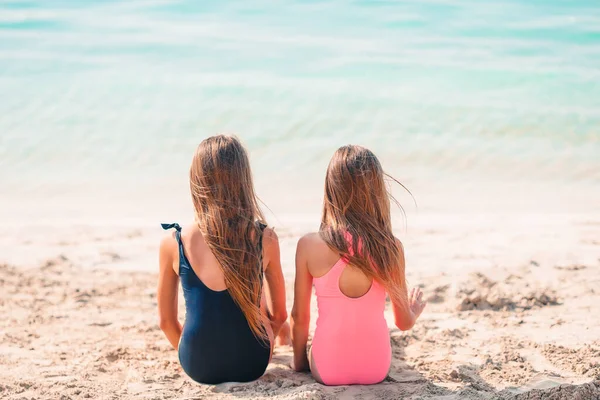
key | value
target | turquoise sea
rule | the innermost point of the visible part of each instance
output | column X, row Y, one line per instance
column 103, row 102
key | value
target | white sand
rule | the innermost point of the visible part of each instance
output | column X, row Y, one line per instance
column 514, row 310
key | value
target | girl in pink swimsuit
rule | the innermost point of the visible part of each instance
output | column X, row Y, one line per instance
column 353, row 261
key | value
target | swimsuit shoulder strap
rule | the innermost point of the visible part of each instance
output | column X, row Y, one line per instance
column 182, row 259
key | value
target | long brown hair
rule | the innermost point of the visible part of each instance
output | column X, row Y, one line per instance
column 357, row 203
column 228, row 215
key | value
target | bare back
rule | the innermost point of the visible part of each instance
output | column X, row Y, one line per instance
column 321, row 259
column 203, row 261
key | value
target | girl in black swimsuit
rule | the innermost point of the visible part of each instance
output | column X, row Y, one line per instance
column 229, row 330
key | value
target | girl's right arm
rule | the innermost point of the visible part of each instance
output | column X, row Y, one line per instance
column 408, row 310
column 300, row 319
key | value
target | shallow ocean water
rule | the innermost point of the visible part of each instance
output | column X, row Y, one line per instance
column 471, row 104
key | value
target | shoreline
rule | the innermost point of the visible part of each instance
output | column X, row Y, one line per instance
column 433, row 242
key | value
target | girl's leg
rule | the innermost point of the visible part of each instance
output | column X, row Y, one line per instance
column 313, row 367
column 284, row 337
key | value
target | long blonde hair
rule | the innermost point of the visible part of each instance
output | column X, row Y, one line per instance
column 357, row 207
column 228, row 215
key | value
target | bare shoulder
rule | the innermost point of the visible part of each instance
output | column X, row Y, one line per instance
column 303, row 248
column 312, row 243
column 310, row 239
column 270, row 245
column 316, row 254
column 168, row 247
column 400, row 245
column 270, row 237
column 190, row 230
column 168, row 241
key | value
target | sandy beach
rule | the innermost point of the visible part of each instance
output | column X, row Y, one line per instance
column 511, row 316
column 487, row 111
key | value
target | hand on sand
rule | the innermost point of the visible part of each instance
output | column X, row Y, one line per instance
column 284, row 336
column 416, row 303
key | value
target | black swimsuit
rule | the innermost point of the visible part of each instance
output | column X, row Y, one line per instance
column 217, row 344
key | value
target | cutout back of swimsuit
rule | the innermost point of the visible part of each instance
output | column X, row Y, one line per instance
column 353, row 283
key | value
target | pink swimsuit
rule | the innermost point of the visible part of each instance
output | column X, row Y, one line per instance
column 351, row 344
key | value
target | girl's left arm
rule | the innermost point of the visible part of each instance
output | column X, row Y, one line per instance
column 300, row 320
column 275, row 288
column 168, row 282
